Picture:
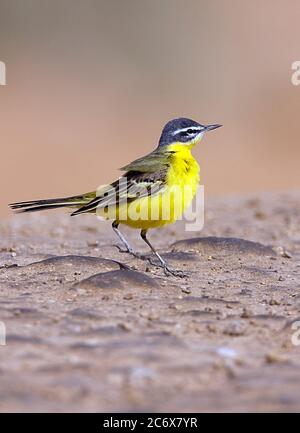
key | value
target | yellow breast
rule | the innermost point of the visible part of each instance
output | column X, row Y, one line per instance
column 184, row 169
column 167, row 206
column 184, row 176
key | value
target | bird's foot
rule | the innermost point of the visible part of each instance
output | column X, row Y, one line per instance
column 175, row 272
column 126, row 250
column 167, row 270
column 131, row 252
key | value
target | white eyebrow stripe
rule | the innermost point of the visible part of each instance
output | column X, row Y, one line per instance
column 193, row 128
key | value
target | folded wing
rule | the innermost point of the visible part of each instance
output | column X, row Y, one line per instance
column 126, row 189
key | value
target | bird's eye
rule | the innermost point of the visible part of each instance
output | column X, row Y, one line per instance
column 187, row 132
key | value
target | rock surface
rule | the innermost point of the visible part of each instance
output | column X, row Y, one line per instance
column 91, row 329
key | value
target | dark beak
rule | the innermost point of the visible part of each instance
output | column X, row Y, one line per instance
column 211, row 127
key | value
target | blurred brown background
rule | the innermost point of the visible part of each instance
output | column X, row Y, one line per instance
column 91, row 83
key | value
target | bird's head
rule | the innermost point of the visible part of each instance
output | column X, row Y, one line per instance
column 183, row 131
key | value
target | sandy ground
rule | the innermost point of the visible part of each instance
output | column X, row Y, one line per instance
column 91, row 329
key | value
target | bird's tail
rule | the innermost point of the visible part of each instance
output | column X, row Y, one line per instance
column 53, row 203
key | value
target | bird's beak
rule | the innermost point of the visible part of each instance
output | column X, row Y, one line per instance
column 211, row 127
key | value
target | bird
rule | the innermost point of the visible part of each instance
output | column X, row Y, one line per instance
column 154, row 190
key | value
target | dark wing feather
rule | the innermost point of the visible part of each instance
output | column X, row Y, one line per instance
column 143, row 177
column 128, row 188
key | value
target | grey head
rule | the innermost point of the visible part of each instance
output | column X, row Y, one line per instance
column 185, row 131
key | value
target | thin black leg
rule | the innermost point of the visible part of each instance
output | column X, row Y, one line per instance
column 163, row 263
column 128, row 247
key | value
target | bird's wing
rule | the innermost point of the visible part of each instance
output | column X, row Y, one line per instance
column 150, row 163
column 144, row 177
column 131, row 186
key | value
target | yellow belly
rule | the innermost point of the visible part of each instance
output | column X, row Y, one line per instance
column 169, row 204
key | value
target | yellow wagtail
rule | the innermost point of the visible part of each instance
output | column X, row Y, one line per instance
column 154, row 191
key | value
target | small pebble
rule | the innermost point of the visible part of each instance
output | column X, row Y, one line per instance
column 272, row 358
column 125, row 326
column 274, row 302
column 235, row 329
column 246, row 314
column 186, row 290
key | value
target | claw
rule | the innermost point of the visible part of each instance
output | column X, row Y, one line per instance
column 175, row 272
column 131, row 252
column 121, row 249
column 167, row 270
column 155, row 263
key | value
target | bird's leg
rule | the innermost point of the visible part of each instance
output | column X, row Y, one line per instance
column 162, row 262
column 128, row 247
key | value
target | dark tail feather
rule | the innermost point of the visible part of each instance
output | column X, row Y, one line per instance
column 55, row 203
